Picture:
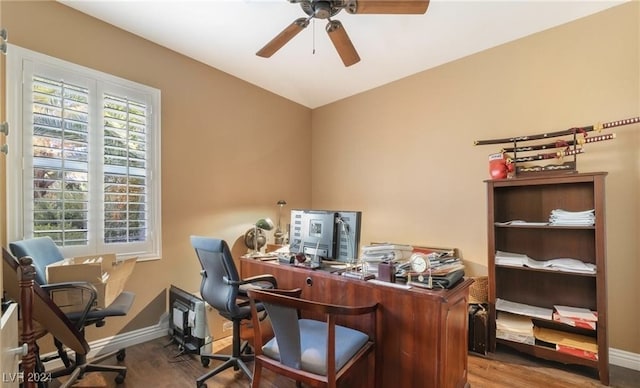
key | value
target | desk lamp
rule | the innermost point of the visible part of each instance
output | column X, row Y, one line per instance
column 279, row 234
column 255, row 238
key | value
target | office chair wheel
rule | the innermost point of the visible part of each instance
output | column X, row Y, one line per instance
column 205, row 361
column 120, row 377
column 201, row 385
column 121, row 355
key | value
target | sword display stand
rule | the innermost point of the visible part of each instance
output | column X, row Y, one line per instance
column 569, row 148
column 568, row 167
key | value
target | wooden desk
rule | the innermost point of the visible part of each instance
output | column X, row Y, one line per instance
column 422, row 334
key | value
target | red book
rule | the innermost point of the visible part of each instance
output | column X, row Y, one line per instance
column 577, row 352
column 575, row 322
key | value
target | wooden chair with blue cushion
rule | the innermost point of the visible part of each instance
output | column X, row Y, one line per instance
column 314, row 352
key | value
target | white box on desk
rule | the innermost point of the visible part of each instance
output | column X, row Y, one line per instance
column 107, row 275
column 219, row 326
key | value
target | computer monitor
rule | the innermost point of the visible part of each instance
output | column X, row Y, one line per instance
column 325, row 234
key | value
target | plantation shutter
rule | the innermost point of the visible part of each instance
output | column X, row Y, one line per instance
column 60, row 166
column 125, row 170
column 87, row 159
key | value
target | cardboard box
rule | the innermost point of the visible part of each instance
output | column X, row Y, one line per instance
column 103, row 271
column 218, row 326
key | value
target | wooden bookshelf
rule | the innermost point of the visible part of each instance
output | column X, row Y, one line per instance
column 532, row 199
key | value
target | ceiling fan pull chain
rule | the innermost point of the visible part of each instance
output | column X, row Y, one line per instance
column 314, row 37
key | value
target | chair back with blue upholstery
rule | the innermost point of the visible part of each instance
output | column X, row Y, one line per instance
column 43, row 250
column 315, row 352
column 218, row 275
column 222, row 288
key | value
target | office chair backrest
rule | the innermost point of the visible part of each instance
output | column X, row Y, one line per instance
column 44, row 310
column 43, row 251
column 218, row 271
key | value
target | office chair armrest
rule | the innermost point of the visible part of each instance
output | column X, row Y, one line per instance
column 253, row 279
column 77, row 286
column 261, row 278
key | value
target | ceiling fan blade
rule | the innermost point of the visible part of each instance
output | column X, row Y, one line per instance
column 282, row 38
column 388, row 6
column 342, row 43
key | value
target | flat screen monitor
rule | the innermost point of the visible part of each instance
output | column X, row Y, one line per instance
column 325, row 234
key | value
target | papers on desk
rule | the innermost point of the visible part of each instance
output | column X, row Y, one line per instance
column 386, row 252
column 563, row 264
column 372, row 255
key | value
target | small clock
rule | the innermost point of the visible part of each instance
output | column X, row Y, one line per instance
column 419, row 265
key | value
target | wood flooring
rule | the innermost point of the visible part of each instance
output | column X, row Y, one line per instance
column 159, row 364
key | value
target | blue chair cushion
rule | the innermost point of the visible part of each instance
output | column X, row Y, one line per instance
column 43, row 251
column 313, row 341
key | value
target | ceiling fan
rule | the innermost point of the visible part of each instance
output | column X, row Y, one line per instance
column 326, row 9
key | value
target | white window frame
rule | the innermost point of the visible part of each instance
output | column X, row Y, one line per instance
column 21, row 59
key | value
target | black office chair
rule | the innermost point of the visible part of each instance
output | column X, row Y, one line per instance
column 223, row 289
column 49, row 317
column 43, row 251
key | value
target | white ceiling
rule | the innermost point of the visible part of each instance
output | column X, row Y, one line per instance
column 226, row 34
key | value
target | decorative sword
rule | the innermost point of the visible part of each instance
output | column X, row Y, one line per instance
column 561, row 143
column 570, row 131
column 550, row 155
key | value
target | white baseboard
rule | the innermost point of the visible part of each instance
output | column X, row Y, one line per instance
column 120, row 341
column 624, row 359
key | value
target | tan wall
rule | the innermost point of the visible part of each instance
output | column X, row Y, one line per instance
column 230, row 150
column 404, row 154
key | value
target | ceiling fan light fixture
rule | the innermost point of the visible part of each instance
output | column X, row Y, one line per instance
column 322, row 9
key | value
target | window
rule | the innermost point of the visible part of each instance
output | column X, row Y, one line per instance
column 85, row 164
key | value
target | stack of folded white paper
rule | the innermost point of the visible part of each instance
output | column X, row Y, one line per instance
column 514, row 327
column 561, row 217
column 511, row 258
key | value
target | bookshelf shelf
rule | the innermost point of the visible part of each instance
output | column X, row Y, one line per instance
column 568, row 273
column 533, row 198
column 548, row 353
